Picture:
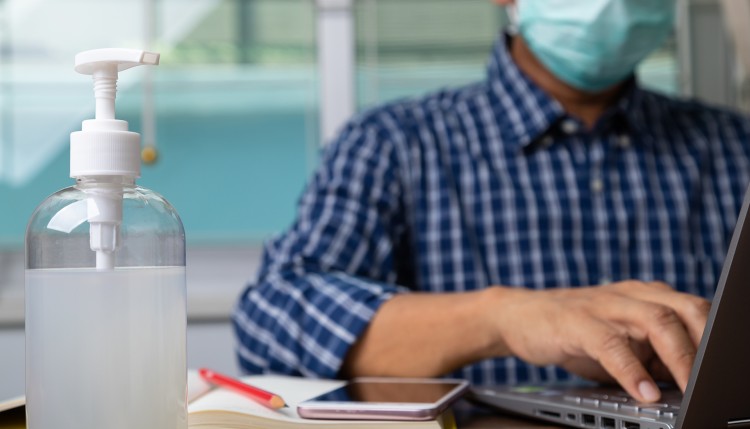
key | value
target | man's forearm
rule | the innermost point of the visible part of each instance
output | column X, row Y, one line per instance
column 426, row 335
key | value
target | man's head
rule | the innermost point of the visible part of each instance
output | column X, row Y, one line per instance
column 592, row 44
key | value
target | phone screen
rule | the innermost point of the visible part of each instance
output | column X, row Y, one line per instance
column 389, row 392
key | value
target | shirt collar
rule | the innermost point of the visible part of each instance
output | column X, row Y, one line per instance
column 526, row 113
column 633, row 106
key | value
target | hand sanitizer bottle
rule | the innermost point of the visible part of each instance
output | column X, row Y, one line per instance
column 105, row 282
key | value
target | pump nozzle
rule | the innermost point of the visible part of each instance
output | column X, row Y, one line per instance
column 103, row 65
column 104, row 151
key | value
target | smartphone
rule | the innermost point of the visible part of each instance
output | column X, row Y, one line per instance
column 383, row 398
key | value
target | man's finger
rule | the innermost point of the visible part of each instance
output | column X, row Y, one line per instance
column 612, row 350
column 692, row 310
column 663, row 329
column 672, row 343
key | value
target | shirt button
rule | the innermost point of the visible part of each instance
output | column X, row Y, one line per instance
column 569, row 126
column 547, row 141
column 623, row 142
column 597, row 185
column 605, row 281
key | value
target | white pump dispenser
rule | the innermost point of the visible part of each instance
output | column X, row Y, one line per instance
column 104, row 149
column 106, row 313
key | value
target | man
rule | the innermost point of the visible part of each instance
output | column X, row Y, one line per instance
column 554, row 218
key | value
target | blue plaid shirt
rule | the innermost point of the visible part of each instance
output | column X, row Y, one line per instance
column 493, row 184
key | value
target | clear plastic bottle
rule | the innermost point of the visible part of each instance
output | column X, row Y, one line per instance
column 105, row 297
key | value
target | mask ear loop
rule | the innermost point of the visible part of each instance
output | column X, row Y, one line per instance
column 511, row 11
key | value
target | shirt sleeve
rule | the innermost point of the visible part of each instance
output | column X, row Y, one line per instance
column 322, row 281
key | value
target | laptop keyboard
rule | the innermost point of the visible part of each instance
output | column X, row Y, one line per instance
column 596, row 407
column 620, row 401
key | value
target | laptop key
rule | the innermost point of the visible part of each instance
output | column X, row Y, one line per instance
column 621, row 399
column 489, row 392
column 670, row 412
column 591, row 402
column 652, row 409
column 594, row 395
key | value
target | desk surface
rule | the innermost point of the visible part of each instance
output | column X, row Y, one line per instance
column 476, row 419
column 479, row 417
column 13, row 419
column 497, row 422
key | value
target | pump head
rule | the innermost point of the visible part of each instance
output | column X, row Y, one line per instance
column 104, row 146
column 104, row 150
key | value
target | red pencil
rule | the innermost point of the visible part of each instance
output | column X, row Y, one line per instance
column 268, row 399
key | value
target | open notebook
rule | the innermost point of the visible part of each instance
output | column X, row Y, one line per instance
column 225, row 409
column 219, row 408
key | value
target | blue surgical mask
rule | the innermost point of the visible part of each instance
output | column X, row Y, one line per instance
column 594, row 44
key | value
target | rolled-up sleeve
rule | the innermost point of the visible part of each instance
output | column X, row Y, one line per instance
column 322, row 281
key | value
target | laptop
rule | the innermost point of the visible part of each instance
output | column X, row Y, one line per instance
column 717, row 394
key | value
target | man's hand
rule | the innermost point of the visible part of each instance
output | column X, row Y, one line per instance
column 630, row 332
